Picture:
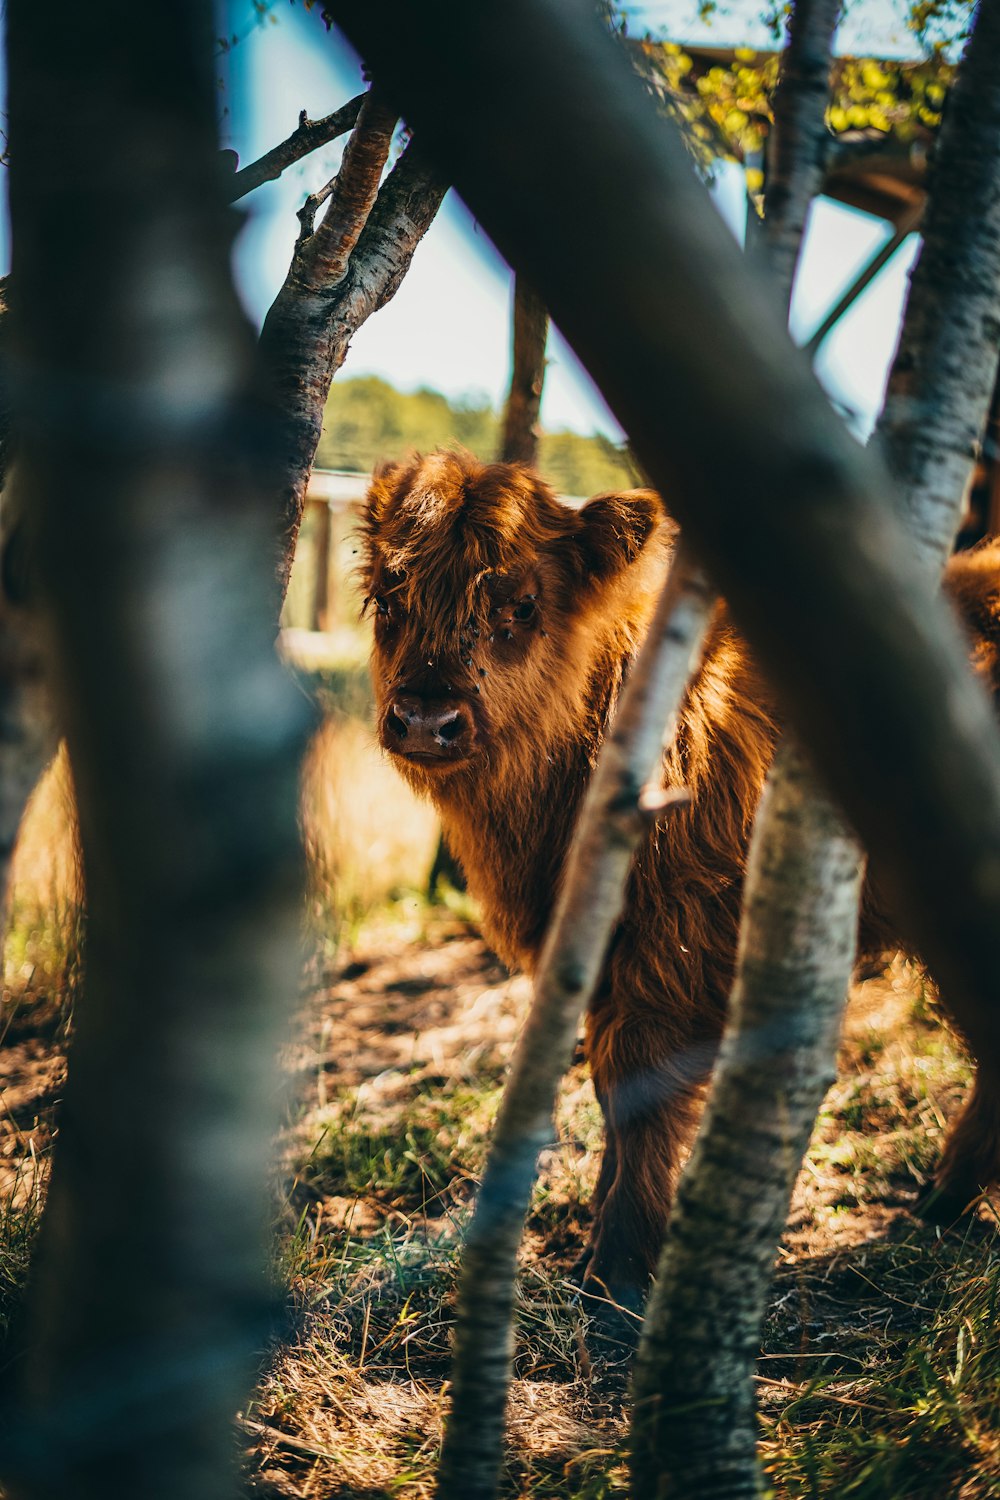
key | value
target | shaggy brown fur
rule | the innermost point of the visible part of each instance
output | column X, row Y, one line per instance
column 504, row 626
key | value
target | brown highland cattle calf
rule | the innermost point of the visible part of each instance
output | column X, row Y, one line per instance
column 504, row 626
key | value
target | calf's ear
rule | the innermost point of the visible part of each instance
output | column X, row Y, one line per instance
column 383, row 482
column 615, row 528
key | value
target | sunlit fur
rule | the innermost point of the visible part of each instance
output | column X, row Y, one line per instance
column 445, row 537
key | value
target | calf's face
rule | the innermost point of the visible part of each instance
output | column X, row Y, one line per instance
column 491, row 603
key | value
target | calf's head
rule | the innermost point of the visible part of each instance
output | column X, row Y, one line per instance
column 494, row 607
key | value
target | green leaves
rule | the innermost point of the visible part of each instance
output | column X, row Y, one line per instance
column 721, row 97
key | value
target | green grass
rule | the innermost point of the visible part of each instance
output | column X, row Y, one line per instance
column 425, row 1156
column 920, row 1418
column 20, row 1220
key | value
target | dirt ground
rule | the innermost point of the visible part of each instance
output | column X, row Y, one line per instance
column 394, row 1076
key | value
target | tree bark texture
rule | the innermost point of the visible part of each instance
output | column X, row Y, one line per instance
column 135, row 372
column 945, row 365
column 694, row 1426
column 321, row 257
column 796, row 147
column 680, row 335
column 615, row 814
column 527, row 376
column 364, row 253
column 694, row 1421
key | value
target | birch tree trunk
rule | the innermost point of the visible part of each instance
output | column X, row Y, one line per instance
column 527, row 376
column 694, row 1418
column 694, row 1425
column 797, row 145
column 616, row 813
column 942, row 376
column 135, row 371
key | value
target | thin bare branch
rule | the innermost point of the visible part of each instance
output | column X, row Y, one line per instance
column 308, row 136
column 612, row 822
column 306, row 215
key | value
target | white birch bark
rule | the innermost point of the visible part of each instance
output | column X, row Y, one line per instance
column 946, row 361
column 349, row 268
column 694, row 1422
column 797, row 949
column 797, row 143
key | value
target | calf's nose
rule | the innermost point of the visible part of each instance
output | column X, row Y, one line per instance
column 427, row 726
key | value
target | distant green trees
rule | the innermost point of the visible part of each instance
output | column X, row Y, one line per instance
column 367, row 419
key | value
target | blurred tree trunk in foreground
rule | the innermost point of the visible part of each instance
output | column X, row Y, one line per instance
column 342, row 272
column 135, row 371
column 28, row 732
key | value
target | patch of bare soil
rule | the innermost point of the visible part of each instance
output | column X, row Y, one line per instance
column 32, row 1074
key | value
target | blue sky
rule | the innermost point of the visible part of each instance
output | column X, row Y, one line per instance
column 448, row 326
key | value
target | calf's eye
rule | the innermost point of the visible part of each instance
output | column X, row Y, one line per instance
column 381, row 603
column 524, row 610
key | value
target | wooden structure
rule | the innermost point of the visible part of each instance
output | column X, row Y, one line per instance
column 330, row 494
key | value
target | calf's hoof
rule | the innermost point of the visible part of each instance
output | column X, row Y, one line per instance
column 947, row 1206
column 613, row 1324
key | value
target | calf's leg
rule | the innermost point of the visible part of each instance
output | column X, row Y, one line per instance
column 649, row 1083
column 970, row 1161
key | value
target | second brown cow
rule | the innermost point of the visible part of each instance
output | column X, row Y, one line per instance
column 504, row 626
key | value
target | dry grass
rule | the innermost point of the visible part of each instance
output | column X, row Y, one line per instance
column 881, row 1355
column 370, row 842
column 42, row 941
column 400, row 1063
